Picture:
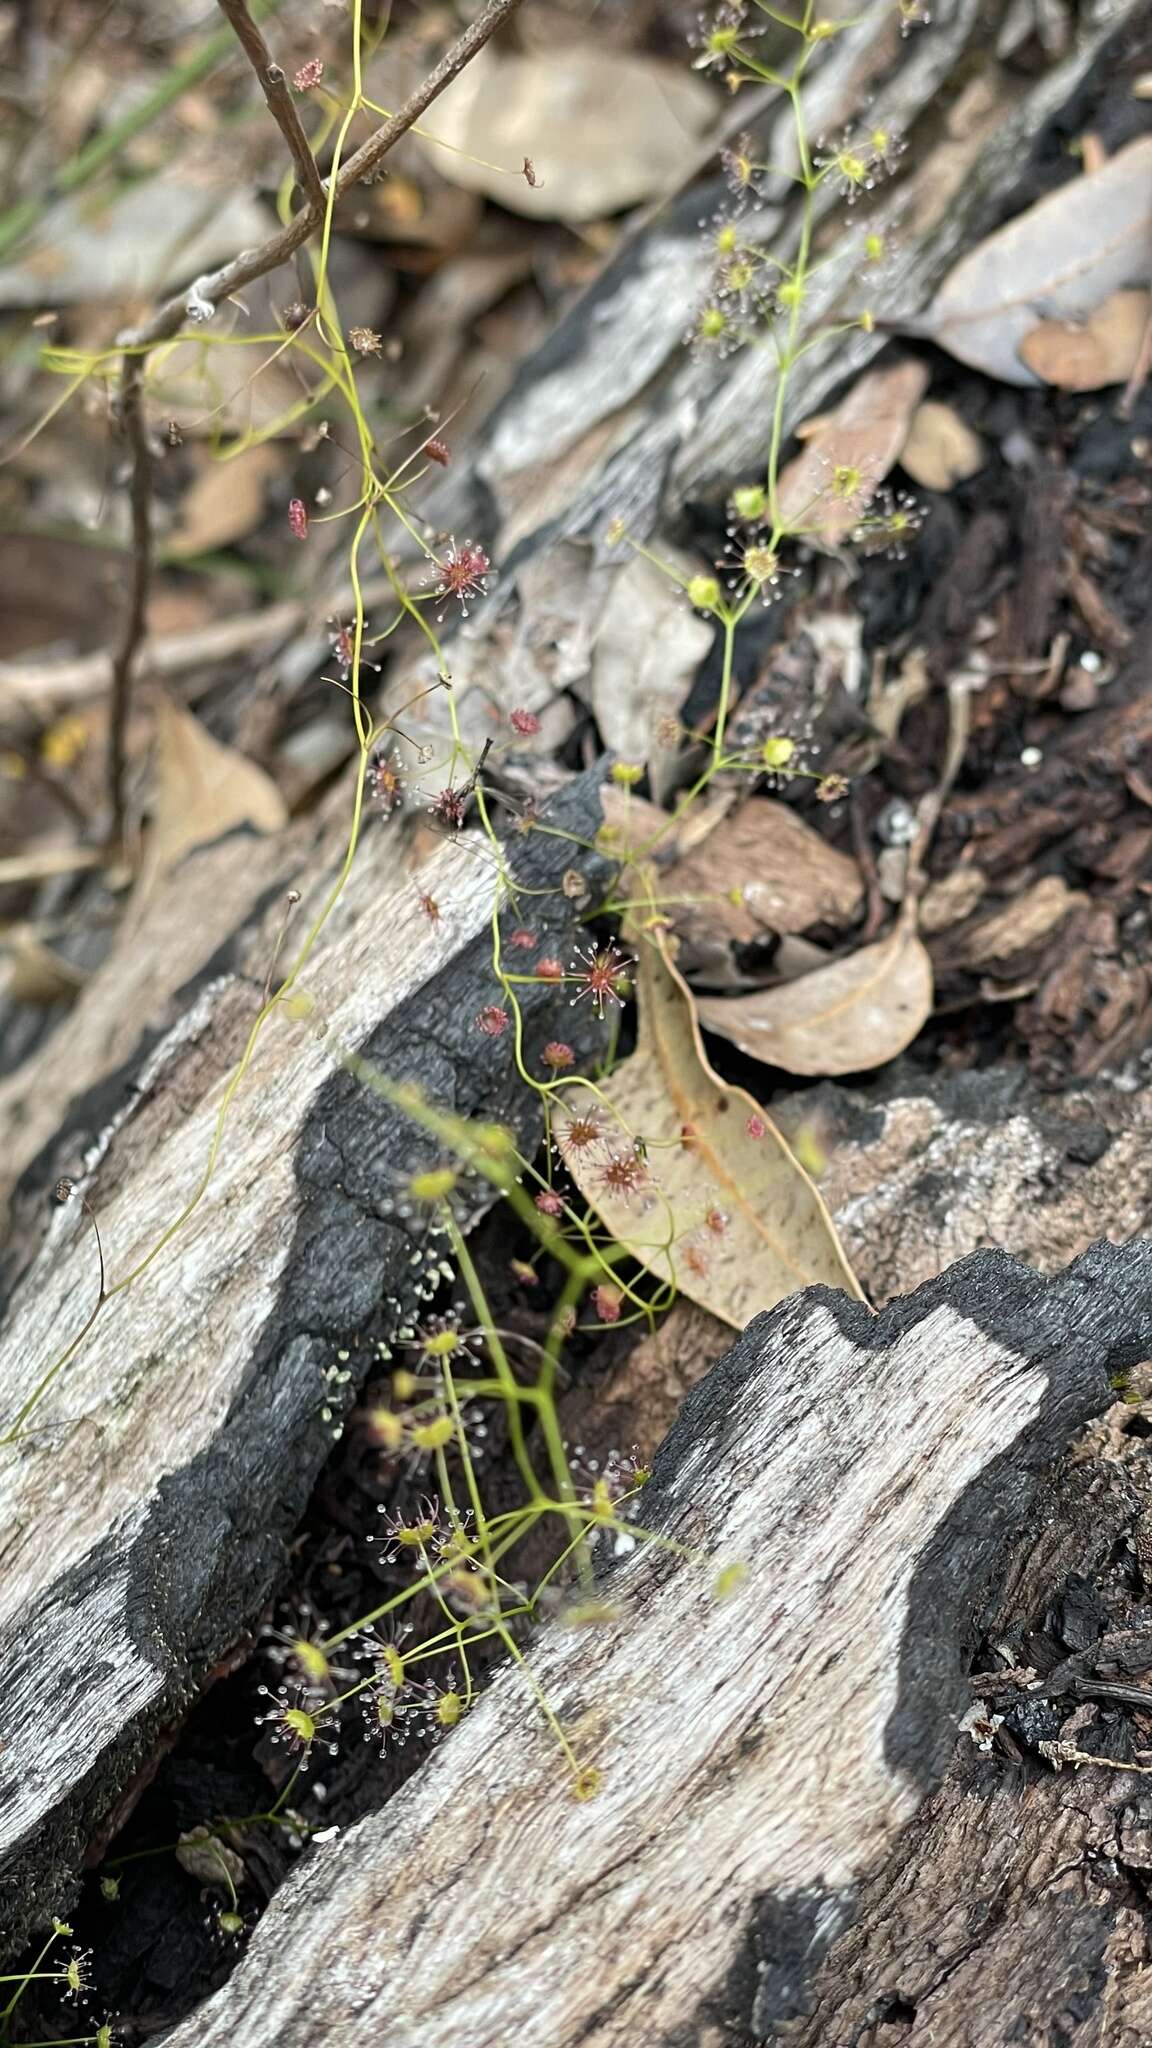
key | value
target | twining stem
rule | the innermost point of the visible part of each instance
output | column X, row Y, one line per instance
column 244, row 269
column 251, row 264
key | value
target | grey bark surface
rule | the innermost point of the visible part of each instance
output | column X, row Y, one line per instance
column 148, row 1502
column 761, row 1758
column 147, row 1509
column 1016, row 1906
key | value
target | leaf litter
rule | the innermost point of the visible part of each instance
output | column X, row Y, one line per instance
column 201, row 790
column 721, row 1207
column 864, row 434
column 854, row 1014
column 1058, row 261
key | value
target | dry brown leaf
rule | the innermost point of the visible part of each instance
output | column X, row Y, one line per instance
column 201, row 790
column 842, row 1019
column 725, row 1210
column 226, row 501
column 787, row 876
column 1061, row 259
column 941, row 449
column 866, row 432
column 35, row 973
column 1085, row 356
column 632, row 823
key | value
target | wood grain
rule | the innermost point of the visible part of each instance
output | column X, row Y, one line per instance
column 147, row 1504
column 760, row 1757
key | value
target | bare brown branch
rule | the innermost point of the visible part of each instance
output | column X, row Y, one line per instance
column 209, row 291
column 250, row 264
column 281, row 105
column 140, row 491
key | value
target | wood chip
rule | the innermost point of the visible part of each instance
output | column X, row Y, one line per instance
column 941, row 449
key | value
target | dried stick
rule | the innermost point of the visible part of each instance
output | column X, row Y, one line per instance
column 253, row 263
column 281, row 105
column 136, row 434
column 206, row 293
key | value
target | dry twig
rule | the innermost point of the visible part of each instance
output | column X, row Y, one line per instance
column 135, row 428
column 205, row 295
column 281, row 105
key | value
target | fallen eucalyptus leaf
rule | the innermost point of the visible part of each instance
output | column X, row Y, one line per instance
column 603, row 129
column 1061, row 260
column 855, row 1014
column 635, row 828
column 865, row 434
column 762, row 869
column 1086, row 356
column 941, row 449
column 201, row 790
column 722, row 1208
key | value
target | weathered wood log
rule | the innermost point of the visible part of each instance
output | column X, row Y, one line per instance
column 612, row 418
column 760, row 1758
column 1015, row 1906
column 147, row 1497
column 148, row 1503
column 925, row 1168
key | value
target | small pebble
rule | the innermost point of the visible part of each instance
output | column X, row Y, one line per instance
column 1031, row 757
column 896, row 824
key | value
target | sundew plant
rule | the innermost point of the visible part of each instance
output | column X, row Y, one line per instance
column 449, row 1374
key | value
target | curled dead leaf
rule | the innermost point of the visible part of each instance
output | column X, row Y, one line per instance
column 1062, row 258
column 762, row 869
column 722, row 1208
column 852, row 1015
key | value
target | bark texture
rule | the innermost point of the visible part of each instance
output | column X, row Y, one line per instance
column 148, row 1498
column 760, row 1757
